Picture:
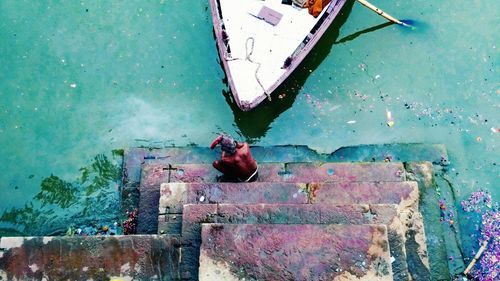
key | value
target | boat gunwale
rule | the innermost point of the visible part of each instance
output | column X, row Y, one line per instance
column 296, row 61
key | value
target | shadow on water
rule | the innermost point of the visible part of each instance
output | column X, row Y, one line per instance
column 254, row 124
column 359, row 33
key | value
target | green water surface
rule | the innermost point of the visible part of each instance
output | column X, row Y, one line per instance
column 79, row 79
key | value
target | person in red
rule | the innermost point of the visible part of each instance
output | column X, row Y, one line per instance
column 236, row 160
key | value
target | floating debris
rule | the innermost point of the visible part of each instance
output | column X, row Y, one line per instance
column 488, row 267
column 351, row 122
column 73, row 85
column 390, row 119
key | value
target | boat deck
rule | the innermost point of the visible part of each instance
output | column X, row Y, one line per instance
column 259, row 49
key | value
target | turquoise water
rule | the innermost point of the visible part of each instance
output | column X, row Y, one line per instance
column 80, row 79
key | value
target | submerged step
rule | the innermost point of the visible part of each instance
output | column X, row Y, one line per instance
column 294, row 252
column 174, row 195
column 132, row 257
column 389, row 215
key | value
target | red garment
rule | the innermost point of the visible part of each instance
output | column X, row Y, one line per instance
column 316, row 6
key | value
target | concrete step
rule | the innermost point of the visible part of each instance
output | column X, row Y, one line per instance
column 154, row 174
column 294, row 252
column 174, row 195
column 402, row 229
column 132, row 257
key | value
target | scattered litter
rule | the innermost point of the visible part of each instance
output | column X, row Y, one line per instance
column 202, row 198
column 73, row 85
column 495, row 130
column 351, row 122
column 480, row 206
column 330, row 171
column 377, row 77
column 479, row 139
column 390, row 119
column 393, row 259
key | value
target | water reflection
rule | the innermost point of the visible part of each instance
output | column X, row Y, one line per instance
column 254, row 124
column 92, row 197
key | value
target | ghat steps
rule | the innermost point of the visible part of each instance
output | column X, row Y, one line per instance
column 306, row 218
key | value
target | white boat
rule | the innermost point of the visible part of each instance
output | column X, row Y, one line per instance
column 261, row 42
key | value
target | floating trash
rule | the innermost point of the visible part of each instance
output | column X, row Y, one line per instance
column 488, row 266
column 390, row 119
column 351, row 122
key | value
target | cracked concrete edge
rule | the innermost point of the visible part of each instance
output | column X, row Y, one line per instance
column 437, row 243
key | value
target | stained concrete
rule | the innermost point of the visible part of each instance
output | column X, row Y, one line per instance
column 133, row 257
column 294, row 252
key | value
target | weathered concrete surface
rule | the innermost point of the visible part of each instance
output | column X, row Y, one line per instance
column 440, row 239
column 90, row 258
column 328, row 172
column 387, row 215
column 399, row 152
column 294, row 252
column 174, row 195
column 149, row 191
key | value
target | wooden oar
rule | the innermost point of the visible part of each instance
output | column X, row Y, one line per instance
column 382, row 13
column 478, row 255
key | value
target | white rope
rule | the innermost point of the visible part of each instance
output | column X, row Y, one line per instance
column 249, row 53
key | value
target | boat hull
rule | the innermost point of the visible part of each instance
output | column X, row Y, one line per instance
column 302, row 50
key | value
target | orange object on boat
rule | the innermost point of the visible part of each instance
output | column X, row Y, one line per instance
column 316, row 6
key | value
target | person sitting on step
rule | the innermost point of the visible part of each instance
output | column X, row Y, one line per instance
column 236, row 159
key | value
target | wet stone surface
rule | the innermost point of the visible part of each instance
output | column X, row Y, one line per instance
column 294, row 252
column 138, row 257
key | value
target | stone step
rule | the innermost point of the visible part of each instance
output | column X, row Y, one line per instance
column 294, row 252
column 402, row 229
column 135, row 157
column 294, row 172
column 154, row 174
column 174, row 195
column 131, row 257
